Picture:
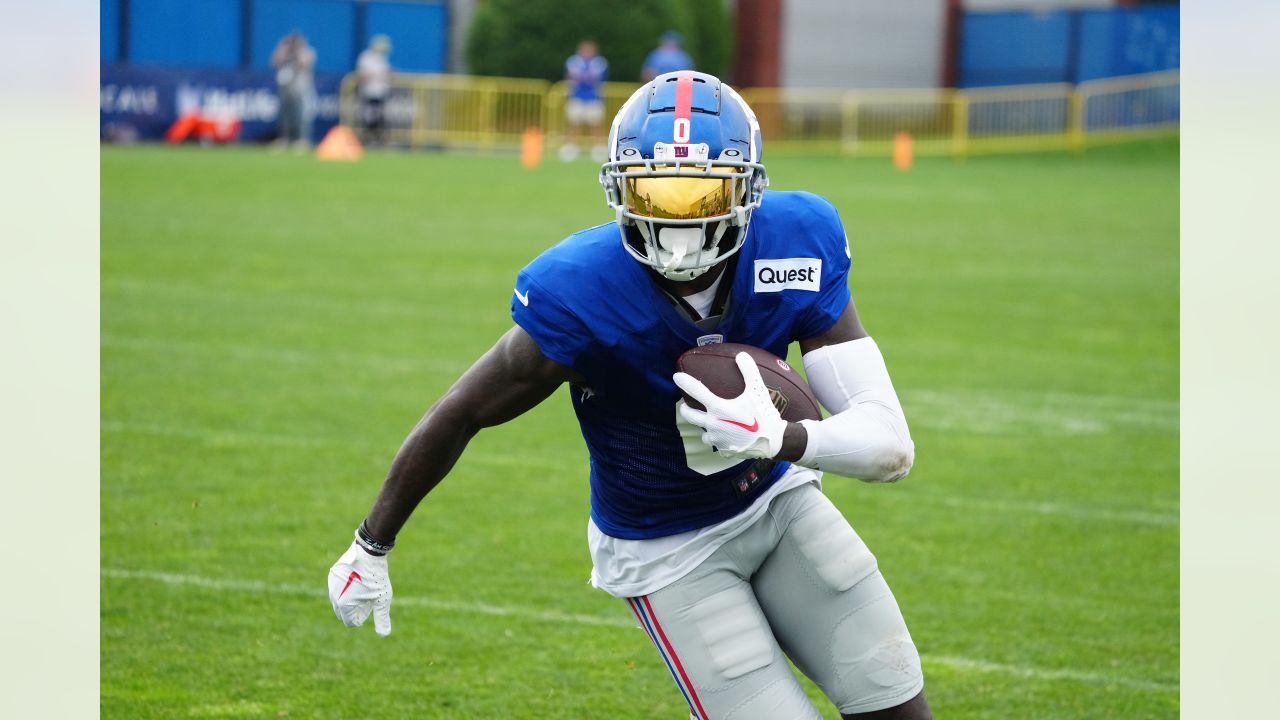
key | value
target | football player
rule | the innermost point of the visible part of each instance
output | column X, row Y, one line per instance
column 710, row 524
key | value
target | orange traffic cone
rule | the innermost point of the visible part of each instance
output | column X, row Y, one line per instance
column 340, row 144
column 531, row 148
column 182, row 128
column 903, row 154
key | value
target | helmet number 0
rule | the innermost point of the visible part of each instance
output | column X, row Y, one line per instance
column 682, row 130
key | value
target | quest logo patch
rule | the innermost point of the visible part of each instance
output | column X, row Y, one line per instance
column 788, row 274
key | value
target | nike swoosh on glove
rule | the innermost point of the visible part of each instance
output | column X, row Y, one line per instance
column 359, row 584
column 747, row 426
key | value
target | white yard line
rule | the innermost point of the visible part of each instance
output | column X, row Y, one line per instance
column 283, row 356
column 1034, row 673
column 993, row 411
column 258, row 298
column 258, row 586
column 987, row 505
column 551, row 616
column 1021, row 413
column 230, row 438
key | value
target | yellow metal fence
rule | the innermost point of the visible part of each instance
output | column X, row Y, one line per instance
column 458, row 111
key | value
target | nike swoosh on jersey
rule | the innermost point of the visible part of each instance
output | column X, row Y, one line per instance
column 523, row 298
column 754, row 426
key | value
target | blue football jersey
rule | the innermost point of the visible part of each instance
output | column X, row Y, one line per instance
column 592, row 307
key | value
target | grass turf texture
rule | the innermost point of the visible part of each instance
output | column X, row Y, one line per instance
column 273, row 326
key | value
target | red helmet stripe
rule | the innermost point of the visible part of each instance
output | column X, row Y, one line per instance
column 684, row 106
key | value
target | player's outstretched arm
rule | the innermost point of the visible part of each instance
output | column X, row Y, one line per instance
column 509, row 379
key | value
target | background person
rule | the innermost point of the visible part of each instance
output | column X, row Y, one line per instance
column 373, row 77
column 295, row 63
column 667, row 57
column 584, row 108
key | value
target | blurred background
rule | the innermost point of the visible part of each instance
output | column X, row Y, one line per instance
column 958, row 75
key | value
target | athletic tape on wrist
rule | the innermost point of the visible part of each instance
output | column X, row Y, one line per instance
column 370, row 545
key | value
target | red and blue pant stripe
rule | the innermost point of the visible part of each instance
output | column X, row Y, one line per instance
column 649, row 621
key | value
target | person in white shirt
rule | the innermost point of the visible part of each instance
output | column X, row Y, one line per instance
column 373, row 76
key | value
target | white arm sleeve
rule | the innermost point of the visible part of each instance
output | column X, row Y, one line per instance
column 866, row 436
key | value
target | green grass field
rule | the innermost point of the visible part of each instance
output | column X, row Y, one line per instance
column 273, row 326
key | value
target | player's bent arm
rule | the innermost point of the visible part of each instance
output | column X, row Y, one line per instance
column 866, row 436
column 508, row 380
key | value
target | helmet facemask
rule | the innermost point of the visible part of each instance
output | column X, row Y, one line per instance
column 685, row 214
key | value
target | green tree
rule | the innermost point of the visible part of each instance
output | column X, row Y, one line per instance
column 709, row 35
column 532, row 38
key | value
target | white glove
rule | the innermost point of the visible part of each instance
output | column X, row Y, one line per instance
column 359, row 584
column 747, row 426
column 698, row 455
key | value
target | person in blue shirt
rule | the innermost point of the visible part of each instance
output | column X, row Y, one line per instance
column 709, row 523
column 668, row 57
column 586, row 71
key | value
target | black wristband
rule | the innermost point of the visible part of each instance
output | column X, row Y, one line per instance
column 371, row 545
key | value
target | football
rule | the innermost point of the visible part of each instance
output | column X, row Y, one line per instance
column 715, row 367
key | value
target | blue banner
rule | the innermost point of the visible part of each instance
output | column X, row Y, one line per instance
column 146, row 100
column 242, row 33
column 1014, row 48
column 1128, row 41
column 1025, row 46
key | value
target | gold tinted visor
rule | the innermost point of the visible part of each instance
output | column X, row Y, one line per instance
column 685, row 196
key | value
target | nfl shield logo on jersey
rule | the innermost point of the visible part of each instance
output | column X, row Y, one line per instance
column 711, row 339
